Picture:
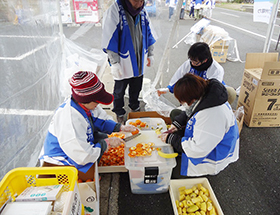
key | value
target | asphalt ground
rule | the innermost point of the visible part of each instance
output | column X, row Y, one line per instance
column 248, row 186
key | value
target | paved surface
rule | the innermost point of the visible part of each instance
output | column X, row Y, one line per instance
column 249, row 186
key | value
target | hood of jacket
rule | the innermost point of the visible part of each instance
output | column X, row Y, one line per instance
column 215, row 95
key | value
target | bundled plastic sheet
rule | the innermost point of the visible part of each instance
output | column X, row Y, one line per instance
column 211, row 34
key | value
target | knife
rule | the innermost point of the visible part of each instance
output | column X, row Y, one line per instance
column 131, row 137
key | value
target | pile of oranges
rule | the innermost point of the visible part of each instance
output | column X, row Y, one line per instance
column 114, row 157
column 138, row 123
column 141, row 149
column 117, row 134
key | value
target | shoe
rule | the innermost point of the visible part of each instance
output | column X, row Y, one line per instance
column 136, row 110
column 120, row 119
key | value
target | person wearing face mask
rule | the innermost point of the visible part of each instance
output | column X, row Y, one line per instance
column 206, row 133
column 201, row 63
column 77, row 134
column 128, row 40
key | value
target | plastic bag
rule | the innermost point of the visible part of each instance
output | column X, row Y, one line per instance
column 157, row 103
column 239, row 113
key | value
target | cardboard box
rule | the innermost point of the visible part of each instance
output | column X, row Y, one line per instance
column 219, row 53
column 90, row 194
column 189, row 183
column 40, row 193
column 151, row 114
column 260, row 90
column 219, row 50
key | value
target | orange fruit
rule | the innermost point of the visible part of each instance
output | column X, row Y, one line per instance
column 135, row 132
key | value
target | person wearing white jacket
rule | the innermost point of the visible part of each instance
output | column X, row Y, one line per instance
column 128, row 40
column 77, row 134
column 202, row 64
column 206, row 133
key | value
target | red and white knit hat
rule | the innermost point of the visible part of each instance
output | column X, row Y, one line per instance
column 87, row 88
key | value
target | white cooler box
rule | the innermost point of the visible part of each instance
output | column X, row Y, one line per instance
column 149, row 174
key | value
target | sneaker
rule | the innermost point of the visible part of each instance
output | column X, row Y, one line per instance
column 120, row 119
column 136, row 110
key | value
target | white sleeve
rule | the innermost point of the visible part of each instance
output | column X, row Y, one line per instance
column 209, row 130
column 181, row 71
column 216, row 71
column 100, row 113
column 70, row 128
column 109, row 24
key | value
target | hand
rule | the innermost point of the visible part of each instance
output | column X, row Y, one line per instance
column 113, row 142
column 173, row 128
column 163, row 137
column 116, row 70
column 162, row 91
column 128, row 128
column 150, row 61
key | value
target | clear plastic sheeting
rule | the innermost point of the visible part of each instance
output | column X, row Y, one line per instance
column 77, row 59
column 30, row 61
column 157, row 103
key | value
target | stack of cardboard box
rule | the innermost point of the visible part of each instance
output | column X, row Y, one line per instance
column 260, row 90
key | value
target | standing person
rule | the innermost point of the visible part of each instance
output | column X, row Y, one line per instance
column 197, row 8
column 192, row 3
column 182, row 13
column 77, row 135
column 202, row 64
column 172, row 6
column 128, row 41
column 205, row 133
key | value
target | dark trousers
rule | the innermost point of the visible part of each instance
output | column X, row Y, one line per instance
column 134, row 87
column 191, row 12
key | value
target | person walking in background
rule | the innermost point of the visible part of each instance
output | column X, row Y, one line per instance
column 172, row 6
column 182, row 13
column 209, row 5
column 128, row 40
column 197, row 8
column 192, row 3
column 206, row 134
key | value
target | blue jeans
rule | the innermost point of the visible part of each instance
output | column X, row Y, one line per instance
column 135, row 86
column 171, row 11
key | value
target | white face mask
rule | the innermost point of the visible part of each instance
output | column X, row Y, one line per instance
column 186, row 106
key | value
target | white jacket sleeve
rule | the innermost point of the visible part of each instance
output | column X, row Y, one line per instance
column 216, row 71
column 100, row 113
column 209, row 130
column 70, row 128
column 181, row 71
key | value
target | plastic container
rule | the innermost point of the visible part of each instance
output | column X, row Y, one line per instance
column 150, row 174
column 189, row 183
column 151, row 123
column 18, row 179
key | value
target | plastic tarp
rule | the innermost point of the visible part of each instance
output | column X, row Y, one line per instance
column 30, row 61
column 36, row 61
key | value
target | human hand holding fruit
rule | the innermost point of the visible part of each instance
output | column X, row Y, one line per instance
column 114, row 142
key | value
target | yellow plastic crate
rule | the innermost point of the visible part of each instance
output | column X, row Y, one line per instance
column 18, row 179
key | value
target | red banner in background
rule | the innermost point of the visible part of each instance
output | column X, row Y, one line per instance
column 86, row 11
